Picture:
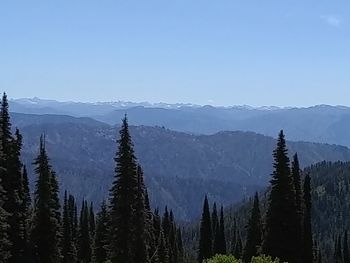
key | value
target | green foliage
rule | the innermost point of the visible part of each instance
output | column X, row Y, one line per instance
column 205, row 234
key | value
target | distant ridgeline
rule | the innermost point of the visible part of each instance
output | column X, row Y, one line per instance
column 43, row 230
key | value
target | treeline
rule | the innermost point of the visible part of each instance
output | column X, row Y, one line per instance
column 39, row 229
column 284, row 231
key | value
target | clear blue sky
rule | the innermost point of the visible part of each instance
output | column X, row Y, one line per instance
column 224, row 52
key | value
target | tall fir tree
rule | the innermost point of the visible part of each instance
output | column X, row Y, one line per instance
column 26, row 208
column 92, row 222
column 11, row 178
column 205, row 235
column 296, row 175
column 45, row 231
column 346, row 254
column 84, row 239
column 69, row 253
column 180, row 246
column 307, row 228
column 4, row 240
column 215, row 230
column 238, row 247
column 222, row 243
column 282, row 217
column 123, row 200
column 254, row 232
column 102, row 235
column 141, row 221
column 163, row 254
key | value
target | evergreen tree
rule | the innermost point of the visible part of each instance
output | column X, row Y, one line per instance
column 92, row 223
column 222, row 243
column 102, row 235
column 45, row 232
column 26, row 206
column 156, row 234
column 215, row 230
column 282, row 217
column 234, row 236
column 205, row 238
column 123, row 200
column 239, row 247
column 4, row 241
column 84, row 241
column 69, row 253
column 11, row 180
column 254, row 232
column 163, row 254
column 298, row 203
column 180, row 246
column 346, row 255
column 141, row 247
column 307, row 233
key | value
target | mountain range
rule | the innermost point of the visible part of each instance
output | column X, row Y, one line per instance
column 321, row 123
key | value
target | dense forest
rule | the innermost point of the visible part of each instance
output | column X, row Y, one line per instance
column 301, row 218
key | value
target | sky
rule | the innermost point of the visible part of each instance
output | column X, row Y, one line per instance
column 223, row 52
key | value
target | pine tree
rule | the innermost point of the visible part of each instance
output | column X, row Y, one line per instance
column 307, row 230
column 4, row 241
column 84, row 240
column 156, row 234
column 254, row 232
column 123, row 200
column 295, row 171
column 92, row 223
column 102, row 235
column 281, row 218
column 180, row 246
column 346, row 255
column 222, row 243
column 215, row 230
column 45, row 232
column 141, row 249
column 11, row 180
column 163, row 254
column 205, row 238
column 69, row 253
column 26, row 206
column 238, row 247
column 234, row 236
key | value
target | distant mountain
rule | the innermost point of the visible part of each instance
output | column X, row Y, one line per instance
column 179, row 168
column 322, row 123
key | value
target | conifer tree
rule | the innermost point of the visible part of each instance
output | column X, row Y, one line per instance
column 123, row 200
column 295, row 171
column 205, row 235
column 215, row 230
column 346, row 255
column 102, row 235
column 163, row 254
column 234, row 236
column 281, row 217
column 69, row 253
column 239, row 247
column 222, row 244
column 92, row 223
column 26, row 206
column 84, row 241
column 4, row 241
column 307, row 230
column 156, row 234
column 11, row 178
column 180, row 246
column 254, row 232
column 45, row 232
column 141, row 249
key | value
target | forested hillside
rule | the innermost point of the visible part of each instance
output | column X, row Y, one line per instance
column 228, row 165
